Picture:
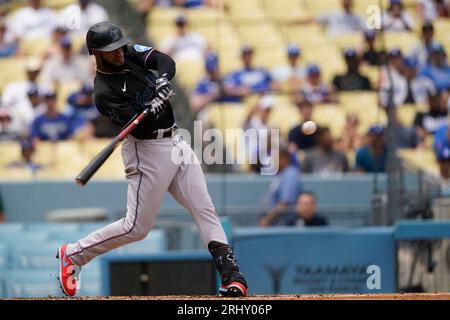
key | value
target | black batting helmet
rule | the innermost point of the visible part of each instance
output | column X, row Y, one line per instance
column 105, row 36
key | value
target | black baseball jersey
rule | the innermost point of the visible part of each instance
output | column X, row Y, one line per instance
column 120, row 96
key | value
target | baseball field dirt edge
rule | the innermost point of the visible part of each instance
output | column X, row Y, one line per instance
column 390, row 296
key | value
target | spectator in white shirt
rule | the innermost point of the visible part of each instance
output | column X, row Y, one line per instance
column 292, row 72
column 23, row 115
column 430, row 10
column 33, row 21
column 185, row 45
column 342, row 22
column 395, row 66
column 80, row 17
column 66, row 66
column 15, row 94
column 397, row 19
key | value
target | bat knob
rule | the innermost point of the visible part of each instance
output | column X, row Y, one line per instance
column 79, row 182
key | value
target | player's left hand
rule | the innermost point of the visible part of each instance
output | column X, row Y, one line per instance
column 163, row 88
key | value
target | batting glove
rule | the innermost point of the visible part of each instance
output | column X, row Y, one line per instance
column 163, row 88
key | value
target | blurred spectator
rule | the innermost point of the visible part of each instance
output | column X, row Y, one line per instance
column 325, row 159
column 283, row 189
column 351, row 139
column 33, row 21
column 305, row 214
column 370, row 54
column 23, row 115
column 292, row 72
column 421, row 51
column 396, row 18
column 257, row 120
column 249, row 79
column 405, row 137
column 65, row 67
column 371, row 158
column 436, row 116
column 342, row 22
column 6, row 132
column 15, row 93
column 417, row 86
column 81, row 107
column 52, row 125
column 55, row 47
column 314, row 89
column 8, row 44
column 185, row 45
column 441, row 147
column 429, row 10
column 353, row 79
column 189, row 4
column 27, row 151
column 394, row 70
column 438, row 69
column 87, row 13
column 210, row 88
column 297, row 139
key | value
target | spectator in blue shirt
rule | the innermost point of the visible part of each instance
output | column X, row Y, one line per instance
column 372, row 157
column 314, row 89
column 283, row 190
column 52, row 125
column 442, row 150
column 210, row 88
column 81, row 107
column 438, row 69
column 249, row 79
column 305, row 213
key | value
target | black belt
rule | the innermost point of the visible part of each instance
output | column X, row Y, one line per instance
column 162, row 133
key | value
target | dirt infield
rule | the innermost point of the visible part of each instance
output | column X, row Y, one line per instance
column 393, row 296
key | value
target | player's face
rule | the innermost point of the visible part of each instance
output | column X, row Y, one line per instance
column 115, row 57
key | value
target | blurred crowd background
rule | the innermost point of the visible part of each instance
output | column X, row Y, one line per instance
column 241, row 64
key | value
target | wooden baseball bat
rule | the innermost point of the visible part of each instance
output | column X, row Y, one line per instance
column 106, row 152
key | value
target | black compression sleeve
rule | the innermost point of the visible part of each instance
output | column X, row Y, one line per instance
column 161, row 62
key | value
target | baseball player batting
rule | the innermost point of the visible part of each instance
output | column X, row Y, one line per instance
column 124, row 86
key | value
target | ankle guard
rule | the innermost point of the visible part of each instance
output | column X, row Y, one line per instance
column 226, row 263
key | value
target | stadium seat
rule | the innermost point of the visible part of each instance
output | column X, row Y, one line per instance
column 10, row 151
column 331, row 116
column 58, row 4
column 245, row 11
column 420, row 159
column 316, row 8
column 35, row 46
column 283, row 10
column 31, row 284
column 406, row 114
column 12, row 69
column 261, row 35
